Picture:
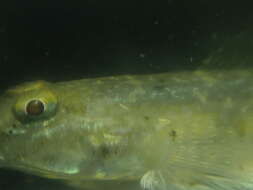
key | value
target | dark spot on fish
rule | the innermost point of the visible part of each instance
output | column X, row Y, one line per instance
column 105, row 151
column 173, row 134
column 159, row 87
column 161, row 80
column 193, row 183
column 10, row 132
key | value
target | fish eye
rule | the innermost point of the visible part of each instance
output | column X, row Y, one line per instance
column 34, row 107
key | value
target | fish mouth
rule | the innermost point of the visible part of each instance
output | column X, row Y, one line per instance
column 33, row 170
column 60, row 175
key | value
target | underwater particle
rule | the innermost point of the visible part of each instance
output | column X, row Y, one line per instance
column 46, row 52
column 170, row 1
column 170, row 37
column 142, row 55
column 156, row 22
column 214, row 36
column 5, row 59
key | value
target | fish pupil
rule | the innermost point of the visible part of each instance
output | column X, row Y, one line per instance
column 35, row 108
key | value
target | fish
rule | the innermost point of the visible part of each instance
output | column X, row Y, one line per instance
column 185, row 130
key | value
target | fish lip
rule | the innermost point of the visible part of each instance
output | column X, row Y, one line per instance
column 50, row 174
column 36, row 171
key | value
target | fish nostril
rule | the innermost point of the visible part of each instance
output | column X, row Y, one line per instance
column 10, row 132
column 15, row 125
column 14, row 129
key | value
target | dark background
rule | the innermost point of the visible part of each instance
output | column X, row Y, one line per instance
column 72, row 39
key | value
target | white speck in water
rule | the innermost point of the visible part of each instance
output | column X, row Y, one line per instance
column 169, row 2
column 171, row 37
column 46, row 52
column 5, row 59
column 2, row 29
column 214, row 36
column 142, row 55
column 195, row 43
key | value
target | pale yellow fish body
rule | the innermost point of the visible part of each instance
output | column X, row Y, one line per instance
column 170, row 131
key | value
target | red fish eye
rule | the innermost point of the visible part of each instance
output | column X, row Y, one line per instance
column 35, row 108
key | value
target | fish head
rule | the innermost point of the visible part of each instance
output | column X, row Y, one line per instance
column 51, row 131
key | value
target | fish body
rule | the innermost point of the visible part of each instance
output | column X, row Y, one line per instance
column 169, row 131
